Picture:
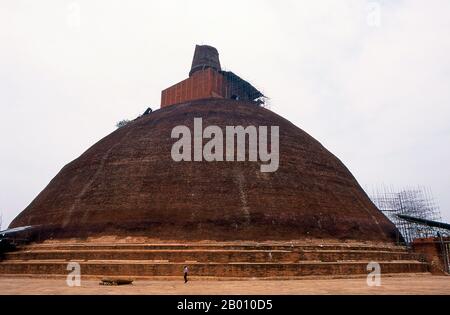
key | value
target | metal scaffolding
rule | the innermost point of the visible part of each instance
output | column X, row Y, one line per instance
column 239, row 89
column 415, row 202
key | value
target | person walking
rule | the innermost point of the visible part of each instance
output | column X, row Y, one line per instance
column 186, row 271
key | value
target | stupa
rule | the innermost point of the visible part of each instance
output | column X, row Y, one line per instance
column 128, row 186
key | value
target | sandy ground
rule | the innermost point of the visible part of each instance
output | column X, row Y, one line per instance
column 420, row 284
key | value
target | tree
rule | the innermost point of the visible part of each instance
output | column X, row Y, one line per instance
column 122, row 123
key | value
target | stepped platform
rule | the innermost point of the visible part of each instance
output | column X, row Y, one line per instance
column 209, row 260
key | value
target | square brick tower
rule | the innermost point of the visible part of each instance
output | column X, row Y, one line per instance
column 207, row 80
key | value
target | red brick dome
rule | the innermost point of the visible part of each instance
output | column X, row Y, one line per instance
column 127, row 184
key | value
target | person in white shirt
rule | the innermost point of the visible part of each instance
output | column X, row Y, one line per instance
column 186, row 270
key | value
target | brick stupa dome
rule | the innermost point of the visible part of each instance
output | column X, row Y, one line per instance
column 128, row 185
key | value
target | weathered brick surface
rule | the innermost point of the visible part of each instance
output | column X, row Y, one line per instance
column 432, row 251
column 202, row 84
column 128, row 185
column 211, row 255
column 210, row 269
column 155, row 260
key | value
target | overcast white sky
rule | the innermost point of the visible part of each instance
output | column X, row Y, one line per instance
column 368, row 79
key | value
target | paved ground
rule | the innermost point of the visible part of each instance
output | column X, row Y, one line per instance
column 420, row 284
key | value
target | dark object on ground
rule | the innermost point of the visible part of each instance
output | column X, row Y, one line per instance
column 113, row 281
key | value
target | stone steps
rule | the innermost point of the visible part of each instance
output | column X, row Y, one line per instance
column 144, row 268
column 216, row 278
column 215, row 260
column 211, row 255
column 213, row 246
